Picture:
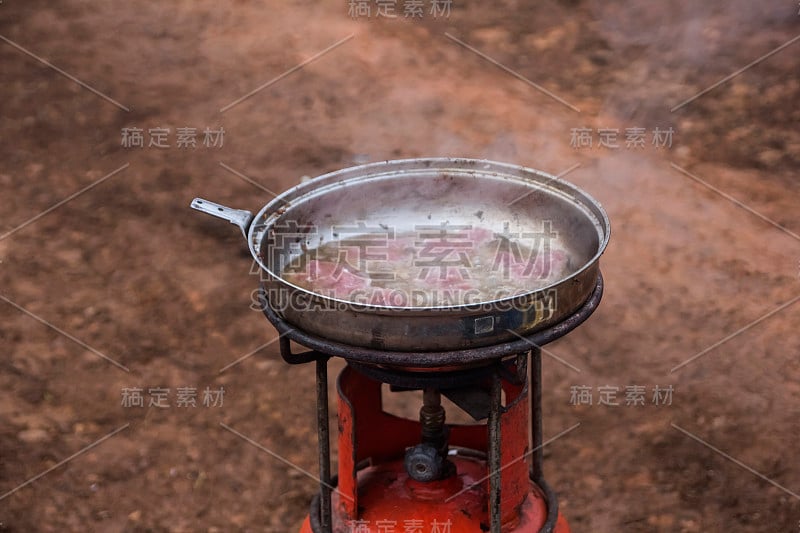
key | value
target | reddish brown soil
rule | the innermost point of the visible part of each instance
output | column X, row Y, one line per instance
column 130, row 271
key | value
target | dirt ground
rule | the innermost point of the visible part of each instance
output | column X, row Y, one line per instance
column 124, row 273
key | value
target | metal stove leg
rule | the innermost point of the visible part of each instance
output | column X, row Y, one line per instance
column 323, row 434
column 537, row 460
column 535, row 391
column 495, row 409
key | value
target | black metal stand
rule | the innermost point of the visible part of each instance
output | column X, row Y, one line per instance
column 495, row 462
column 537, row 459
column 323, row 435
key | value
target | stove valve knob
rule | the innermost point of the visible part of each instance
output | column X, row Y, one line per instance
column 423, row 463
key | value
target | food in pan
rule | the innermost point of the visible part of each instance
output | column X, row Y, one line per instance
column 465, row 266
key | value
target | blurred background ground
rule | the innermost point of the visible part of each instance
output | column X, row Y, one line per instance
column 129, row 270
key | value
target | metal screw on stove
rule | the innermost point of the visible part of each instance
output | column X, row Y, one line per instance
column 426, row 461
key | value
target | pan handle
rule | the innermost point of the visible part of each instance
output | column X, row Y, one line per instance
column 240, row 217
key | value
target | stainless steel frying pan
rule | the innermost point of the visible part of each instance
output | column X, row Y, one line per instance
column 401, row 197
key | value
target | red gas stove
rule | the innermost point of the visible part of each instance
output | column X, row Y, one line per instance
column 428, row 476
